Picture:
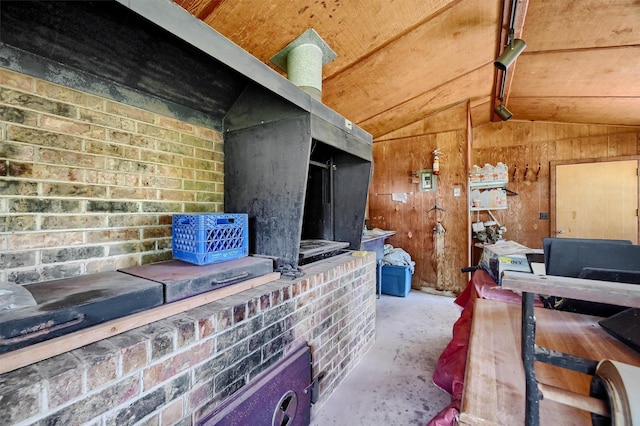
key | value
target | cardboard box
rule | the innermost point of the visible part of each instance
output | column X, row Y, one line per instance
column 505, row 256
column 513, row 262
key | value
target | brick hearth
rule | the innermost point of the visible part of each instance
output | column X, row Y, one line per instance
column 175, row 370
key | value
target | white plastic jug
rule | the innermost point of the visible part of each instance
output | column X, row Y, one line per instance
column 501, row 172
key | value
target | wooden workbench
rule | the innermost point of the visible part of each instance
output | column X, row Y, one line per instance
column 494, row 385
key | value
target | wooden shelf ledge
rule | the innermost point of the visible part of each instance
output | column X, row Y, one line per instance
column 621, row 294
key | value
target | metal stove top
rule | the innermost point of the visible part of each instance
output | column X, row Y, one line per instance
column 309, row 248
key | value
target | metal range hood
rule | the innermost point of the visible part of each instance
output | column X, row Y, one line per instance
column 156, row 56
column 297, row 175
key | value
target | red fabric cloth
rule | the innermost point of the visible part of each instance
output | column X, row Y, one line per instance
column 451, row 363
column 450, row 368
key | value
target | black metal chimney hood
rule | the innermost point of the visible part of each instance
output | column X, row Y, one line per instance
column 298, row 175
column 157, row 56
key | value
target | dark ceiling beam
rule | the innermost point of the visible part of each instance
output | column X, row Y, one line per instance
column 503, row 39
column 209, row 9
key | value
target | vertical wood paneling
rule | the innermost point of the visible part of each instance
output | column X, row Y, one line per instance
column 542, row 143
column 622, row 144
column 439, row 259
column 394, row 163
column 455, row 219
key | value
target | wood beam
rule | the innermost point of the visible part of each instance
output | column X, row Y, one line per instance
column 518, row 25
column 621, row 294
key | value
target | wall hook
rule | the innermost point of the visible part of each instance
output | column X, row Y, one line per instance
column 526, row 170
column 436, row 208
column 538, row 172
column 515, row 173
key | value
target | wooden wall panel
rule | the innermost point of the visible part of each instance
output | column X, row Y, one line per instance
column 394, row 164
column 623, row 144
column 518, row 144
column 438, row 257
column 455, row 219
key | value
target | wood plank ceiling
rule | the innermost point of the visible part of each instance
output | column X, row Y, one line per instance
column 400, row 61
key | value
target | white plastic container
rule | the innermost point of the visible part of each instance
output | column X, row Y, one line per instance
column 476, row 174
column 501, row 172
column 476, row 201
column 488, row 172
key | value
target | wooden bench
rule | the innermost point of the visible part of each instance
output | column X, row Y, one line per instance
column 494, row 386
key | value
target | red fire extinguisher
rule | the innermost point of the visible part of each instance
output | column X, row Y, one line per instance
column 436, row 162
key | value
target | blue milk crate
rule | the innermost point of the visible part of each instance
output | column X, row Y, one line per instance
column 210, row 237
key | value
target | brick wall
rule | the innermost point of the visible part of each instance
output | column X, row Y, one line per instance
column 88, row 184
column 176, row 370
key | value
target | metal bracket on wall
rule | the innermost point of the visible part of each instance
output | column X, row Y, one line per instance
column 436, row 207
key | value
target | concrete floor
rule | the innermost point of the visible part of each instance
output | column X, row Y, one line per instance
column 392, row 384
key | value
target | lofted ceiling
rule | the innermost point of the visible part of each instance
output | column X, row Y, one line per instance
column 400, row 61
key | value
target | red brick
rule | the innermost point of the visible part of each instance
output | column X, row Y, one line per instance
column 171, row 367
column 16, row 80
column 63, row 378
column 276, row 297
column 286, row 293
column 265, row 302
column 307, row 298
column 185, row 327
column 20, row 395
column 239, row 313
column 174, row 124
column 130, row 112
column 253, row 307
column 223, row 319
column 133, row 351
column 200, row 394
column 172, row 413
column 329, row 287
column 64, row 94
column 100, row 362
column 47, row 239
column 205, row 319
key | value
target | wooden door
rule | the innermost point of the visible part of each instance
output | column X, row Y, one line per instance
column 597, row 200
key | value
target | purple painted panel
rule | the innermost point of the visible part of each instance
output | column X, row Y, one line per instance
column 281, row 396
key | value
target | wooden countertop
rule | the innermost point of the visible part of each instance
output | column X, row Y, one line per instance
column 494, row 386
column 369, row 236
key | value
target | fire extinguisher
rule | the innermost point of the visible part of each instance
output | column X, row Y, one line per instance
column 436, row 162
